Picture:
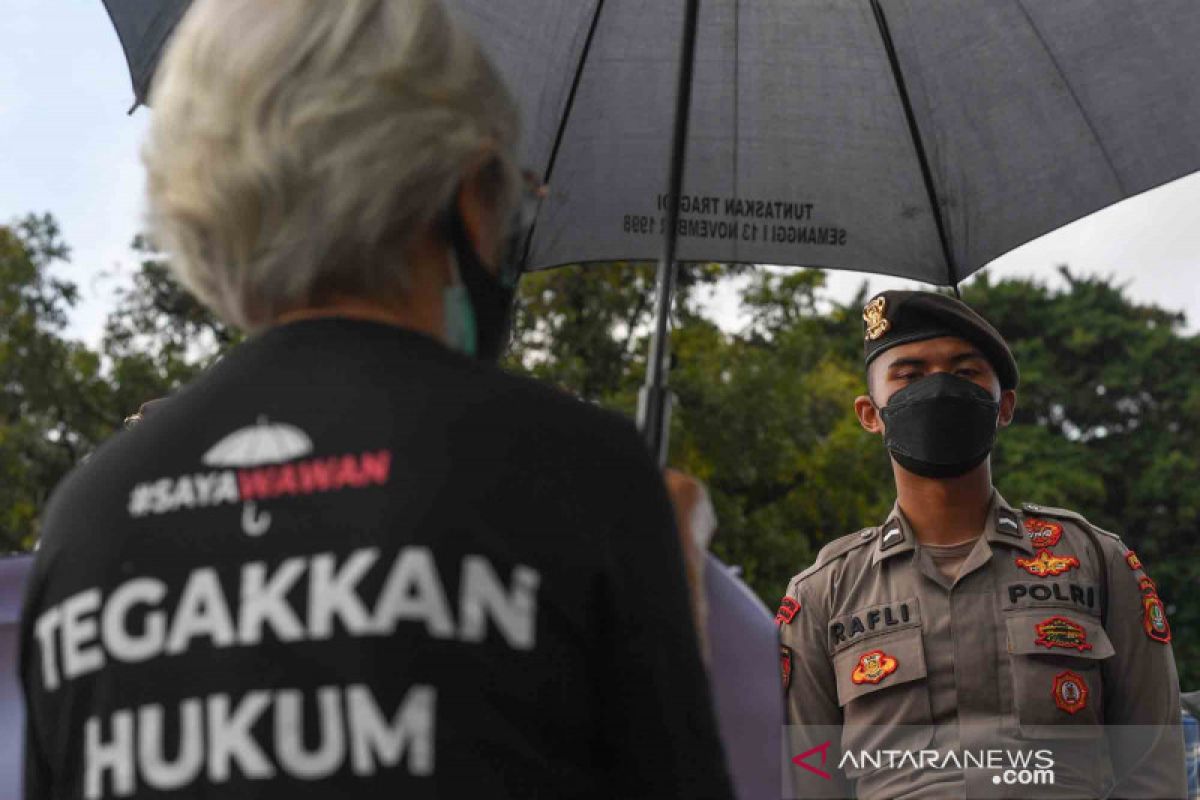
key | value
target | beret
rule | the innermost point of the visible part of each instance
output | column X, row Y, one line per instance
column 900, row 317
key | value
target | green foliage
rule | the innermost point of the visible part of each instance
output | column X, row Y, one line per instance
column 763, row 420
column 585, row 330
column 1108, row 424
column 1108, row 421
column 159, row 336
column 48, row 407
column 62, row 398
column 582, row 329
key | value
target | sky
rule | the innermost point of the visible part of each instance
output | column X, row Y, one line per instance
column 68, row 146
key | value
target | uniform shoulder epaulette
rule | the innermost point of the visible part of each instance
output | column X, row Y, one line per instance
column 836, row 549
column 1063, row 513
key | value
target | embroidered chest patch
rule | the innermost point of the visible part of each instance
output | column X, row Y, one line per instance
column 863, row 622
column 1020, row 594
column 785, row 665
column 1154, row 619
column 1154, row 614
column 1043, row 533
column 1046, row 563
column 1070, row 692
column 788, row 608
column 1061, row 632
column 873, row 667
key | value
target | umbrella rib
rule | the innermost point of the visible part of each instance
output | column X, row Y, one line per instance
column 915, row 133
column 128, row 62
column 570, row 105
column 564, row 117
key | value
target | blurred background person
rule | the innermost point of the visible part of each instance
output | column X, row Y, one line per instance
column 354, row 557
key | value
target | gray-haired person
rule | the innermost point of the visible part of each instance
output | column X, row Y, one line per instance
column 354, row 559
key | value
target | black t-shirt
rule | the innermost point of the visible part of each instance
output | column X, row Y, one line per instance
column 349, row 562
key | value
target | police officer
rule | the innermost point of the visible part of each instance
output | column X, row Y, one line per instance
column 962, row 624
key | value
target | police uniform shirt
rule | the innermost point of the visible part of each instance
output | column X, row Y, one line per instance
column 1011, row 654
column 348, row 562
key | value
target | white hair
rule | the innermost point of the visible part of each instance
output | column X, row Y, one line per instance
column 295, row 147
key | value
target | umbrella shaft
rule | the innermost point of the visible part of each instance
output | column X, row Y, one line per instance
column 654, row 399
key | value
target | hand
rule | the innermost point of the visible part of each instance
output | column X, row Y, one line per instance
column 694, row 514
column 697, row 522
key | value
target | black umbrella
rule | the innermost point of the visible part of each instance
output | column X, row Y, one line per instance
column 916, row 138
column 144, row 27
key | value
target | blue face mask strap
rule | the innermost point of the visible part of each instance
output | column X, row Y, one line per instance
column 458, row 316
column 484, row 315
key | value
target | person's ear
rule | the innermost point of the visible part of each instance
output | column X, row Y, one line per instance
column 868, row 415
column 479, row 218
column 1008, row 407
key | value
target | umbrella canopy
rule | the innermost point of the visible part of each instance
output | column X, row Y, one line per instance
column 917, row 138
column 143, row 27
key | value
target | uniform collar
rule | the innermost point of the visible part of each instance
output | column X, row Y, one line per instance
column 1004, row 527
column 895, row 536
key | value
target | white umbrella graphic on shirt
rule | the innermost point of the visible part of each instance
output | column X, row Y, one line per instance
column 262, row 443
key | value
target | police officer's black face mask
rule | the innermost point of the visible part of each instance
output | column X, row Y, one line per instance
column 941, row 426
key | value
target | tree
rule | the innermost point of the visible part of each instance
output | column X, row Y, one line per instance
column 763, row 420
column 159, row 336
column 1108, row 423
column 586, row 329
column 51, row 409
column 62, row 399
column 1108, row 419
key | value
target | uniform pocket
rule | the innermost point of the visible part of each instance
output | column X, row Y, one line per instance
column 1055, row 655
column 883, row 690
